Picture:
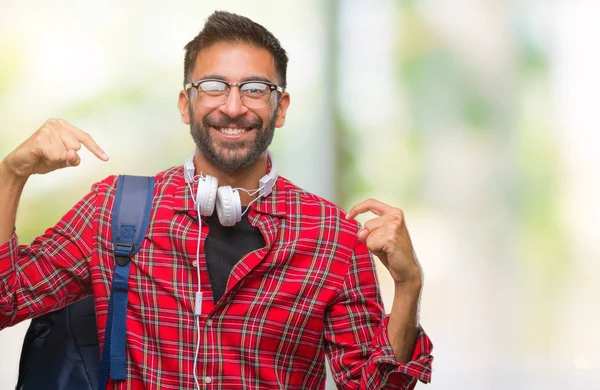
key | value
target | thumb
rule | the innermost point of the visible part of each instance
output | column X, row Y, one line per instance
column 73, row 158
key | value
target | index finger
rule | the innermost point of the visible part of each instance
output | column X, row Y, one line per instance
column 373, row 205
column 86, row 140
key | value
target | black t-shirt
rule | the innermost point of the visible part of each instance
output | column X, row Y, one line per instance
column 225, row 246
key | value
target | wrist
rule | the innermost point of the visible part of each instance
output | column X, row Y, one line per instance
column 9, row 176
column 412, row 285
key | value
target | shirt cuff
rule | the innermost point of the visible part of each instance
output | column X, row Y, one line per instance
column 418, row 367
column 7, row 256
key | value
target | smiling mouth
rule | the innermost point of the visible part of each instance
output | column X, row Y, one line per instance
column 232, row 130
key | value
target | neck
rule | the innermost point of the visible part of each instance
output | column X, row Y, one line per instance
column 247, row 178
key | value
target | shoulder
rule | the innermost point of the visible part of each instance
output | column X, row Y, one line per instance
column 173, row 175
column 308, row 206
column 106, row 188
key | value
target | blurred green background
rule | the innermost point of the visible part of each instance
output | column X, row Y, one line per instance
column 478, row 118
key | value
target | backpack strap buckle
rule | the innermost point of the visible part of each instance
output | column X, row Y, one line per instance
column 123, row 253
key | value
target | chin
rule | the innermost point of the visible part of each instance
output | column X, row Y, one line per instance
column 233, row 160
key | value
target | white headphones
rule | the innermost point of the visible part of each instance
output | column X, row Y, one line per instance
column 225, row 198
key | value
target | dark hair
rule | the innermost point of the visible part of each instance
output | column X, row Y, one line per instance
column 224, row 26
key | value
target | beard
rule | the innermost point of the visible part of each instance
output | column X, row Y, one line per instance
column 232, row 155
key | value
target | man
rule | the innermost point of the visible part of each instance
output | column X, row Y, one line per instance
column 290, row 283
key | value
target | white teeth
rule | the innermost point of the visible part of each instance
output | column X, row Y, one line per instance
column 232, row 131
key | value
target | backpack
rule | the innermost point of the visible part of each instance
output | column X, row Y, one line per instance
column 61, row 350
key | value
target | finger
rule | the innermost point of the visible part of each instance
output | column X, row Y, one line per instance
column 69, row 140
column 72, row 145
column 392, row 227
column 362, row 235
column 63, row 146
column 389, row 238
column 377, row 243
column 73, row 158
column 86, row 140
column 372, row 205
column 52, row 150
column 379, row 222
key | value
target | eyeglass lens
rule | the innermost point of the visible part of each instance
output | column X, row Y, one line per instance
column 214, row 93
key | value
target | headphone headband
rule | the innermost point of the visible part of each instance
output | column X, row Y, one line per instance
column 267, row 182
column 189, row 169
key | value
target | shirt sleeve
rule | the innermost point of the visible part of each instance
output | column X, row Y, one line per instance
column 51, row 272
column 358, row 345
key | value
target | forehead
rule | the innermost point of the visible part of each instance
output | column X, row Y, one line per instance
column 234, row 62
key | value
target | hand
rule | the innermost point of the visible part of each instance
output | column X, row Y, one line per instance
column 387, row 238
column 53, row 146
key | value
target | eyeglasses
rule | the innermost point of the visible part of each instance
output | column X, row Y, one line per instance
column 214, row 93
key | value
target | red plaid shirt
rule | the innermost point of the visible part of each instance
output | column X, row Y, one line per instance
column 311, row 291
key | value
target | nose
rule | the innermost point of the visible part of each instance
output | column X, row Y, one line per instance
column 233, row 106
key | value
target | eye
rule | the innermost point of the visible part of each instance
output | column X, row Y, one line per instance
column 255, row 89
column 212, row 87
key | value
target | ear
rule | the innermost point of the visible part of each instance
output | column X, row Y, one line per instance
column 283, row 104
column 183, row 104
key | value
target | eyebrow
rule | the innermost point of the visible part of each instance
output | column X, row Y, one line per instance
column 245, row 79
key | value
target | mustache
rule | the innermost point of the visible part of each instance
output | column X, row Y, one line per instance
column 207, row 121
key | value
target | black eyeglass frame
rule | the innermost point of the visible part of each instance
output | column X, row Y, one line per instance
column 272, row 88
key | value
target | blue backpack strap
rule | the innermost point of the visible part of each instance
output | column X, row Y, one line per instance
column 131, row 214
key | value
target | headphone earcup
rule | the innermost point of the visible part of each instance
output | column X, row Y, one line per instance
column 229, row 206
column 207, row 194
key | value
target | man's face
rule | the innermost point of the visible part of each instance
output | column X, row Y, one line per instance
column 233, row 136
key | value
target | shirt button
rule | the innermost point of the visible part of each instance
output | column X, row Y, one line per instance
column 209, row 322
column 207, row 379
column 195, row 263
